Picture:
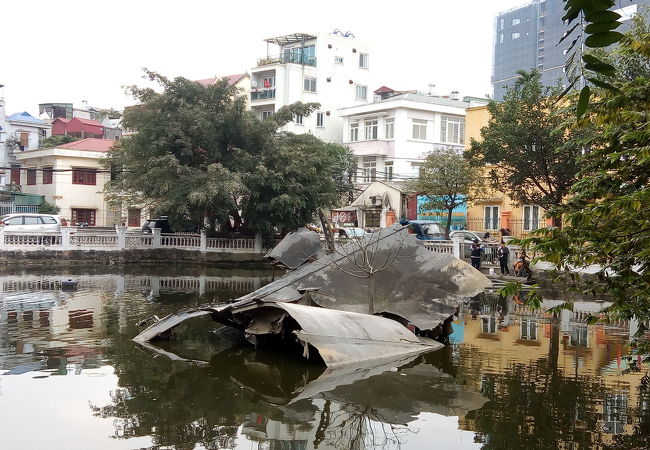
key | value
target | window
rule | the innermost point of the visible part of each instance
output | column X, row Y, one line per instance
column 419, row 129
column 361, row 92
column 48, row 220
column 320, row 119
column 354, row 132
column 515, row 36
column 363, row 60
column 31, row 176
column 369, row 168
column 416, row 168
column 84, row 176
column 500, row 38
column 17, row 220
column 390, row 129
column 502, row 23
column 452, row 129
column 516, row 21
column 133, row 219
column 298, row 119
column 24, row 141
column 30, row 220
column 491, row 218
column 47, row 175
column 489, row 325
column 310, row 84
column 388, row 170
column 528, row 330
column 15, row 174
column 268, row 82
column 531, row 217
column 338, row 60
column 86, row 216
column 371, row 129
column 266, row 114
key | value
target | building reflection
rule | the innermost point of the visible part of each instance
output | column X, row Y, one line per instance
column 534, row 368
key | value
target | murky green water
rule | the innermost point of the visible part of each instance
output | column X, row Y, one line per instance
column 71, row 378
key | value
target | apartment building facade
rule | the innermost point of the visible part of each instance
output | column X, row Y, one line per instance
column 389, row 138
column 527, row 38
column 330, row 69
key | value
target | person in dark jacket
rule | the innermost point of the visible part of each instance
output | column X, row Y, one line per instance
column 475, row 252
column 502, row 253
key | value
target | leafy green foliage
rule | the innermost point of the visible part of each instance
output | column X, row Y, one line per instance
column 445, row 178
column 199, row 155
column 55, row 141
column 48, row 208
column 533, row 157
column 608, row 210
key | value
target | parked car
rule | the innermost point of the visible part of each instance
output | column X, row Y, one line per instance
column 160, row 222
column 31, row 222
column 425, row 230
column 351, row 232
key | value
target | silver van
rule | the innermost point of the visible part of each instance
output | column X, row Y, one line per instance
column 31, row 222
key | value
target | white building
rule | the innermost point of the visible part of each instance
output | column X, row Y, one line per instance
column 18, row 132
column 390, row 137
column 330, row 69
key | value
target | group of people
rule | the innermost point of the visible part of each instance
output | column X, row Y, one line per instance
column 521, row 266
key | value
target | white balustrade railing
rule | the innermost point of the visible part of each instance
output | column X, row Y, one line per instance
column 69, row 238
column 440, row 246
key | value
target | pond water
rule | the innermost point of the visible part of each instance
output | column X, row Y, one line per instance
column 71, row 378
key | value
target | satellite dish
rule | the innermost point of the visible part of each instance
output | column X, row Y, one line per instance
column 254, row 83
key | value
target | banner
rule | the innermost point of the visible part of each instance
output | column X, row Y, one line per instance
column 458, row 215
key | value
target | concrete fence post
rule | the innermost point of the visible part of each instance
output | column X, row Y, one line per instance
column 156, row 238
column 258, row 243
column 121, row 236
column 204, row 241
column 2, row 236
column 65, row 238
column 457, row 244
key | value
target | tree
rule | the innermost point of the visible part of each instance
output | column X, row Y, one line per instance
column 48, row 208
column 198, row 154
column 608, row 210
column 445, row 179
column 533, row 158
column 55, row 141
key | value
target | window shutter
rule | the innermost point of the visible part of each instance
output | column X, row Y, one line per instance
column 443, row 128
column 462, row 131
column 24, row 139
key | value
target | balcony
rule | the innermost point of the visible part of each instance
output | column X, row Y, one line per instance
column 285, row 58
column 263, row 94
column 372, row 148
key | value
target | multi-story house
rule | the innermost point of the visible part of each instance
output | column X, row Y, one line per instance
column 241, row 81
column 389, row 138
column 80, row 122
column 527, row 38
column 18, row 133
column 330, row 69
column 495, row 210
column 71, row 176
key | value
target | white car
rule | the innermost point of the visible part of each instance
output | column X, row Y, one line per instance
column 31, row 222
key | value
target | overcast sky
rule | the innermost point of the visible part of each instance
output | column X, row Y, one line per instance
column 74, row 50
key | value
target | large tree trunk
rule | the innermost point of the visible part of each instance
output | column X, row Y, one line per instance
column 448, row 226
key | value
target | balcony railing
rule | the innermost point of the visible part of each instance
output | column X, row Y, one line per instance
column 288, row 58
column 263, row 94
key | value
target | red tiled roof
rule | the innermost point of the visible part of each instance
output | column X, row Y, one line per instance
column 90, row 145
column 384, row 90
column 232, row 79
column 62, row 119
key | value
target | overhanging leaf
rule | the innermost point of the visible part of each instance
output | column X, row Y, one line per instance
column 600, row 27
column 601, row 16
column 603, row 39
column 602, row 84
column 583, row 101
column 568, row 33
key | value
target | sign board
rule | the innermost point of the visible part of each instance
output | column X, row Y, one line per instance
column 458, row 215
column 344, row 217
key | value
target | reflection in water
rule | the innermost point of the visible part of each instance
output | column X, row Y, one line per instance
column 512, row 379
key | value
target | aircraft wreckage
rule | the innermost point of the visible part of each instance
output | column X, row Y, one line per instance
column 380, row 297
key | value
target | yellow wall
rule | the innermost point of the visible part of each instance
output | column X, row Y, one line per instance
column 511, row 214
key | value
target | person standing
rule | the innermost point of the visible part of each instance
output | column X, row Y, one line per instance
column 503, row 253
column 475, row 252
